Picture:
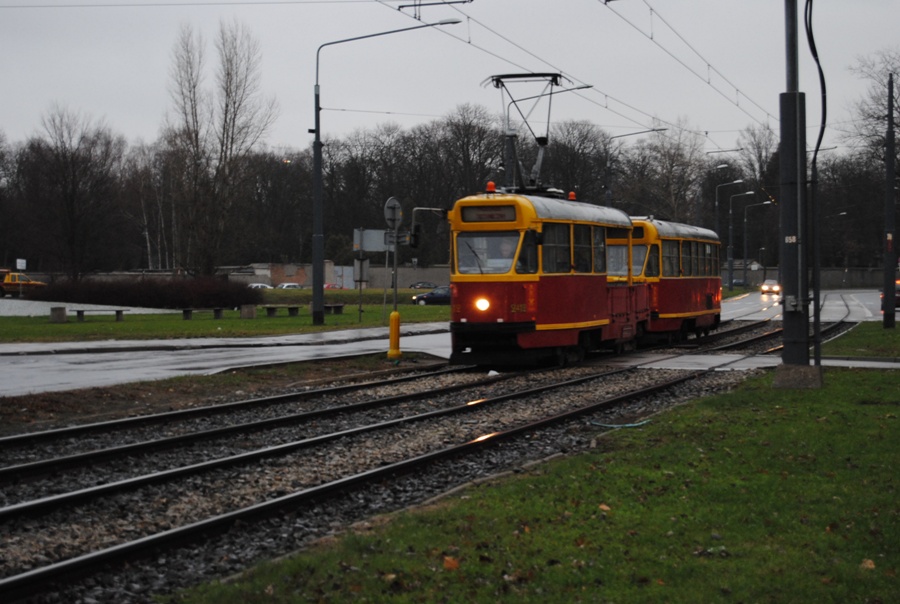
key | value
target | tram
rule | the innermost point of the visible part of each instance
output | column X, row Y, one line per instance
column 530, row 282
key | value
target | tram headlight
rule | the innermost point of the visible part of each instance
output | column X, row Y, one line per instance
column 482, row 304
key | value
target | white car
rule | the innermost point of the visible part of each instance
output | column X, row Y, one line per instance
column 770, row 286
column 259, row 286
column 289, row 286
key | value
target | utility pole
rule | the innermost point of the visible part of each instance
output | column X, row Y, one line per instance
column 794, row 371
column 889, row 302
column 795, row 289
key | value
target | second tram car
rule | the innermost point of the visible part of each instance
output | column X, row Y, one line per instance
column 529, row 280
column 680, row 265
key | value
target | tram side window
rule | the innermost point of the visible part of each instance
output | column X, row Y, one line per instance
column 638, row 255
column 599, row 234
column 670, row 258
column 582, row 248
column 528, row 262
column 707, row 260
column 652, row 269
column 686, row 259
column 618, row 260
column 555, row 253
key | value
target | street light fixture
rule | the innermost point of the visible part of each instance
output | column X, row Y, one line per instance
column 731, row 238
column 724, row 184
column 318, row 238
column 746, row 207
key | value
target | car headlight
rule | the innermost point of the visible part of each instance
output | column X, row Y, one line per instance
column 482, row 304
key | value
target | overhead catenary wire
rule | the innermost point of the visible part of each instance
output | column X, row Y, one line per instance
column 645, row 119
column 606, row 96
column 708, row 64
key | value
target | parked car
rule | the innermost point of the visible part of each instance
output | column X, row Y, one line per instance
column 15, row 284
column 439, row 295
column 770, row 286
column 333, row 286
column 259, row 286
column 289, row 286
column 423, row 285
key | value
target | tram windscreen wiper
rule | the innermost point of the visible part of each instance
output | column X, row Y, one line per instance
column 475, row 255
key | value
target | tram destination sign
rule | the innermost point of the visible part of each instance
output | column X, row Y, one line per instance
column 488, row 214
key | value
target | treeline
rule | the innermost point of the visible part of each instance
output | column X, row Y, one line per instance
column 77, row 198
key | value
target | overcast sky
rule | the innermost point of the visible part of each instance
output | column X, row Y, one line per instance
column 717, row 65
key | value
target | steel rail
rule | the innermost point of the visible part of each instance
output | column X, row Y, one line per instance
column 824, row 330
column 19, row 585
column 45, row 466
column 141, row 420
column 54, row 502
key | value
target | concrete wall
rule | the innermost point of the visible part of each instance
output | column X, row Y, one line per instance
column 831, row 278
column 381, row 278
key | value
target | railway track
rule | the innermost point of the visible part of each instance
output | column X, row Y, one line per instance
column 66, row 524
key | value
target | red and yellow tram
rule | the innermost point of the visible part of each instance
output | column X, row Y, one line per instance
column 529, row 280
column 680, row 265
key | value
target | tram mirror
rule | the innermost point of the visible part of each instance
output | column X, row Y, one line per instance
column 533, row 238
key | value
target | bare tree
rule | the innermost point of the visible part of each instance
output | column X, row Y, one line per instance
column 473, row 147
column 869, row 128
column 212, row 134
column 758, row 144
column 664, row 175
column 148, row 204
column 8, row 226
column 578, row 160
column 70, row 182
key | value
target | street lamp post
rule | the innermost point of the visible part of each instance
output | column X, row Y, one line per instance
column 746, row 207
column 318, row 238
column 724, row 184
column 731, row 239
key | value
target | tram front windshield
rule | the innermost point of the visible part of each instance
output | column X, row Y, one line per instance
column 484, row 253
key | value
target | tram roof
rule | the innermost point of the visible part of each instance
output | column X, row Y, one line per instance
column 548, row 208
column 676, row 229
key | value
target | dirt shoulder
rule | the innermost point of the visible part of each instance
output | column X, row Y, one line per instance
column 45, row 411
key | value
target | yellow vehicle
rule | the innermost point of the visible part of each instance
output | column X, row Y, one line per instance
column 17, row 284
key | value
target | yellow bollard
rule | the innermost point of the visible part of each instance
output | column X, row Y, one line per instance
column 394, row 353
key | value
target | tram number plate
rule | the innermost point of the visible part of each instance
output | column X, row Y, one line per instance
column 518, row 308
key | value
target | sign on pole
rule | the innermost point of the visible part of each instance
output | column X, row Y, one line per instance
column 393, row 213
column 368, row 240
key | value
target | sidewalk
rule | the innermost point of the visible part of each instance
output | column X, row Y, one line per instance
column 56, row 366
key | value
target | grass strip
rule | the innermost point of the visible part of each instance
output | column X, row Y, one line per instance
column 869, row 339
column 759, row 495
column 102, row 326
